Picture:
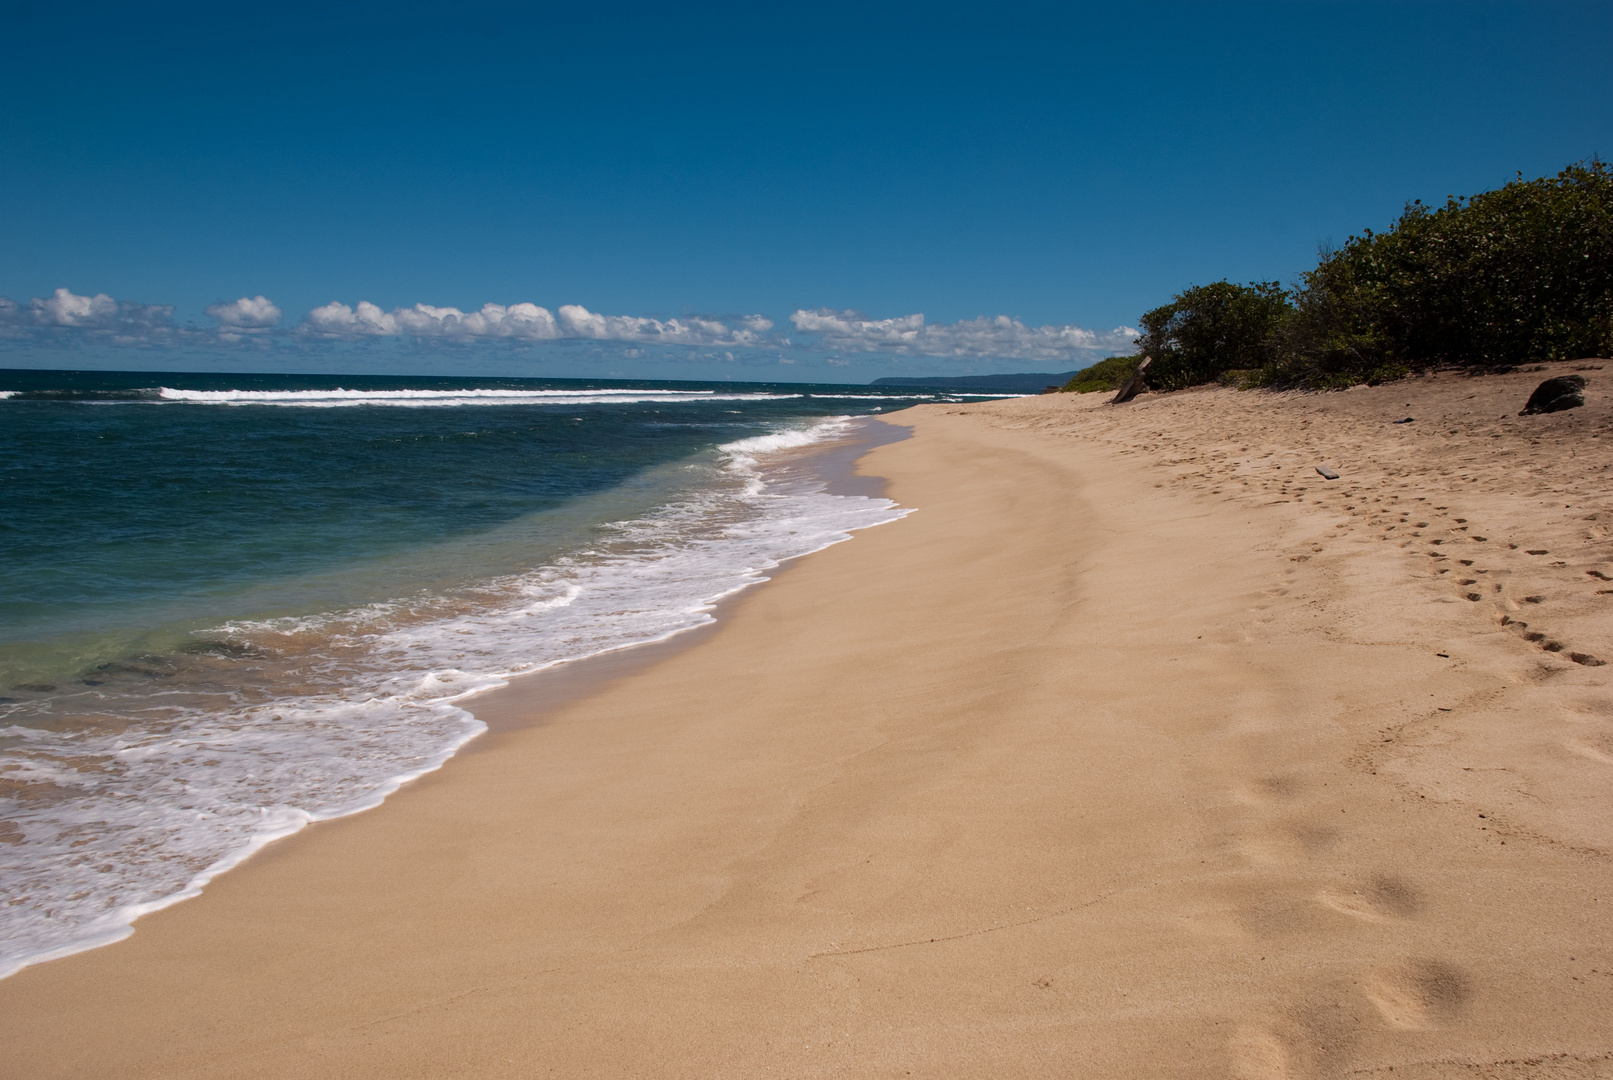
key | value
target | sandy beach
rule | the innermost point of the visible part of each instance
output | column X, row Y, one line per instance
column 1138, row 750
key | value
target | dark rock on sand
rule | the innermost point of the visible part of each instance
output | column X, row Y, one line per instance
column 1555, row 395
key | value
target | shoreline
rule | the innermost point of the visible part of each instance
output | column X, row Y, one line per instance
column 1133, row 754
column 811, row 466
column 526, row 698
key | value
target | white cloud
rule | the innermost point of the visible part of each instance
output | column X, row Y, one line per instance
column 65, row 313
column 998, row 336
column 849, row 330
column 65, row 316
column 526, row 322
column 336, row 320
column 69, row 309
column 581, row 323
column 100, row 312
column 522, row 322
column 248, row 315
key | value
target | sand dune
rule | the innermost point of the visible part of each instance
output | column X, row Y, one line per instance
column 1139, row 750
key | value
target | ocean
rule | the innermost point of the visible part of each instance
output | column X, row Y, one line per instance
column 234, row 604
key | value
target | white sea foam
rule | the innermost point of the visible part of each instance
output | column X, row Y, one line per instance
column 876, row 397
column 919, row 397
column 788, row 439
column 338, row 398
column 7, row 393
column 145, row 816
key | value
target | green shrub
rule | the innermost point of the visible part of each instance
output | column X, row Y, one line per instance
column 1108, row 374
column 1244, row 378
column 1519, row 274
column 1210, row 329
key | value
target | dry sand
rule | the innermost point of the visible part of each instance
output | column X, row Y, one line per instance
column 1139, row 750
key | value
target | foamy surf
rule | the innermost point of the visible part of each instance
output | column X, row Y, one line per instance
column 154, row 808
column 338, row 398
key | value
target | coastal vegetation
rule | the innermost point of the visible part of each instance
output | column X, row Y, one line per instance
column 1104, row 375
column 1211, row 329
column 1516, row 275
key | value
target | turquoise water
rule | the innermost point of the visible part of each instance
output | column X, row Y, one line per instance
column 124, row 506
column 230, row 605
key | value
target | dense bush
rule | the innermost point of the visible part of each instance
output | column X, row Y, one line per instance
column 1518, row 274
column 1210, row 329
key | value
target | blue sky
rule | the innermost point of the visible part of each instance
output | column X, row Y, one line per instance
column 825, row 191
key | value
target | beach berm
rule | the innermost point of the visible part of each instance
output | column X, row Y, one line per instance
column 1139, row 749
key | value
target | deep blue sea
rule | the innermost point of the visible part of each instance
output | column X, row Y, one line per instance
column 233, row 604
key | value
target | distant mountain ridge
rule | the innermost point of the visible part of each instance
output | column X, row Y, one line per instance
column 1028, row 382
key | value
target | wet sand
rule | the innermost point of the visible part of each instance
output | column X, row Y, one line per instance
column 1138, row 750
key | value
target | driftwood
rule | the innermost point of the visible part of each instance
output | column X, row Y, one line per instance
column 1134, row 385
column 1327, row 473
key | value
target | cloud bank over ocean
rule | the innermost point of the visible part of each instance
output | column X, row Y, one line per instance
column 526, row 322
column 65, row 313
column 250, row 315
column 830, row 336
column 1000, row 335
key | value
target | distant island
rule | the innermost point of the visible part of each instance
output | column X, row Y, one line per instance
column 1028, row 382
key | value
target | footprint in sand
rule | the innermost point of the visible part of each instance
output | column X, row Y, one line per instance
column 1312, row 837
column 1315, row 1034
column 1419, row 993
column 1385, row 897
column 1586, row 750
column 1257, row 1054
column 1270, row 789
column 1270, row 916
